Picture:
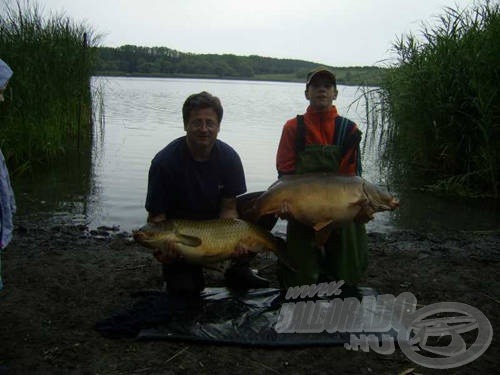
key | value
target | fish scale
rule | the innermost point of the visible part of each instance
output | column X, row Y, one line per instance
column 319, row 199
column 207, row 241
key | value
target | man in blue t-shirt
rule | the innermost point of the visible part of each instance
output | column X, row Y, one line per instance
column 197, row 177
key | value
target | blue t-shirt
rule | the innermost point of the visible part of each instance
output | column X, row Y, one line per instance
column 183, row 188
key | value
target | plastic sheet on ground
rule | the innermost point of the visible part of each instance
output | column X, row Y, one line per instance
column 224, row 316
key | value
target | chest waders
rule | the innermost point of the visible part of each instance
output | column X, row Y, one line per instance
column 345, row 254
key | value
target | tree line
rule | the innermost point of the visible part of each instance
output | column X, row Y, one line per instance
column 163, row 61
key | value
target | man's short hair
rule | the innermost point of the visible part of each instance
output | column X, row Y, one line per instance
column 201, row 100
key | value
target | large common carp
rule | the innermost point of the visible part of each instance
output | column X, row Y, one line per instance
column 319, row 199
column 207, row 241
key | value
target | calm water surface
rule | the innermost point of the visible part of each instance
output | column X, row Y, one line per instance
column 139, row 116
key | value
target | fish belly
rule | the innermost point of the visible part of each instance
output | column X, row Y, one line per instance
column 204, row 254
column 315, row 199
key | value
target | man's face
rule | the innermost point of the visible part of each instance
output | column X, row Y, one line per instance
column 321, row 93
column 202, row 128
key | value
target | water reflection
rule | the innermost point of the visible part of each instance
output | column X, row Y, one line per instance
column 429, row 212
column 59, row 193
column 107, row 185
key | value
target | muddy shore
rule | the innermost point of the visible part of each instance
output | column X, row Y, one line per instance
column 59, row 281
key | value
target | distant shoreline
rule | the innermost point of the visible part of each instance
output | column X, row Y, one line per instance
column 259, row 78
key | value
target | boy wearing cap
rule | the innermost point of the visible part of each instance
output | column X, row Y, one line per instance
column 321, row 141
column 7, row 202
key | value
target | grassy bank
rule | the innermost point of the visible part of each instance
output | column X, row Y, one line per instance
column 47, row 111
column 354, row 76
column 444, row 102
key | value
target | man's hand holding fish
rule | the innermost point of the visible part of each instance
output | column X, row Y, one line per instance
column 168, row 253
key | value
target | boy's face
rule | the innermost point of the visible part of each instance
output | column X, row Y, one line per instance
column 321, row 93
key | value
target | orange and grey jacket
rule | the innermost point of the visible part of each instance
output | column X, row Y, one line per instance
column 320, row 128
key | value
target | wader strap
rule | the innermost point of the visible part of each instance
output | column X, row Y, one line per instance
column 343, row 136
column 341, row 125
column 300, row 137
column 346, row 138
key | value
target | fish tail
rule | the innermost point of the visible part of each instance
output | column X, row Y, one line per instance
column 247, row 206
column 251, row 214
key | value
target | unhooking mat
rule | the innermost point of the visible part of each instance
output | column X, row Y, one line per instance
column 224, row 316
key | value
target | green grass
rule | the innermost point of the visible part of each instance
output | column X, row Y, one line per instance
column 442, row 103
column 47, row 111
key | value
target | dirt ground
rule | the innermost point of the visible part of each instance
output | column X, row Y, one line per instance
column 59, row 281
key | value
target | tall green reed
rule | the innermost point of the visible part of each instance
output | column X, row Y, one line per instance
column 48, row 111
column 442, row 102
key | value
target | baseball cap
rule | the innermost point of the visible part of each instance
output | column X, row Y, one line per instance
column 320, row 71
column 5, row 73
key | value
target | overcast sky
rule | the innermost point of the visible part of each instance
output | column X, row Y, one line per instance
column 332, row 32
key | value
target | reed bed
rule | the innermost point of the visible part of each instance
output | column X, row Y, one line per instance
column 441, row 103
column 47, row 112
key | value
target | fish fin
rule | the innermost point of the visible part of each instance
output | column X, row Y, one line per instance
column 245, row 205
column 360, row 202
column 319, row 226
column 249, row 244
column 323, row 234
column 188, row 240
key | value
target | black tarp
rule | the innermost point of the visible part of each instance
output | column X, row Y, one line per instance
column 221, row 316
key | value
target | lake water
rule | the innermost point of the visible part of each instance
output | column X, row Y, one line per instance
column 139, row 116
